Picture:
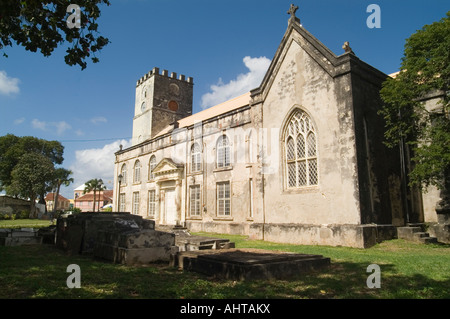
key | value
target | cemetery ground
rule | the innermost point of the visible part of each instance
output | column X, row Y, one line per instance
column 408, row 270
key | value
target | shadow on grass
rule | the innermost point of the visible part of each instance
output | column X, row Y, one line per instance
column 40, row 272
column 342, row 280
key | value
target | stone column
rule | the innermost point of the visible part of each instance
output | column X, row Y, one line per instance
column 157, row 203
column 178, row 199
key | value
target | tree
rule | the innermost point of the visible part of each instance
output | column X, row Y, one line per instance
column 94, row 185
column 61, row 177
column 30, row 177
column 42, row 25
column 424, row 72
column 12, row 148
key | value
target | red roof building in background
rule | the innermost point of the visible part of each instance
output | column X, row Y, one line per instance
column 63, row 203
column 86, row 202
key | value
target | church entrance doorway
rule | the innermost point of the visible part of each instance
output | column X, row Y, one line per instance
column 170, row 207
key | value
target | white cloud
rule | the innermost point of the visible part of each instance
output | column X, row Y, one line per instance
column 60, row 126
column 96, row 163
column 41, row 125
column 8, row 85
column 79, row 132
column 98, row 119
column 243, row 83
column 19, row 121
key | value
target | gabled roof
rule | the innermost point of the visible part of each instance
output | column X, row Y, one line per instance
column 51, row 196
column 165, row 165
column 106, row 195
column 80, row 188
column 334, row 65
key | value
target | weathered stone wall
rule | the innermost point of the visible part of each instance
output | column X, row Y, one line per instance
column 10, row 205
column 301, row 82
column 379, row 171
column 432, row 194
column 161, row 98
column 356, row 186
column 176, row 145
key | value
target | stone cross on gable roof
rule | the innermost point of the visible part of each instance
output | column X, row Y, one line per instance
column 291, row 11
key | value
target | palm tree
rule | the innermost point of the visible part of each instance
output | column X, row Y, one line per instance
column 94, row 185
column 61, row 178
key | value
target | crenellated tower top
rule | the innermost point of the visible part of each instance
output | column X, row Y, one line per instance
column 161, row 99
column 173, row 75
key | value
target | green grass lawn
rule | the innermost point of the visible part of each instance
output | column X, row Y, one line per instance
column 18, row 223
column 408, row 270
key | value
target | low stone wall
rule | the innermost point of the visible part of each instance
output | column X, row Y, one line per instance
column 441, row 229
column 359, row 236
column 19, row 237
column 10, row 205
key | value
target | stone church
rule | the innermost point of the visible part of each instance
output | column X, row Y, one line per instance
column 300, row 159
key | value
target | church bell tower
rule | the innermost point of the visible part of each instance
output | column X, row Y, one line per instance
column 160, row 101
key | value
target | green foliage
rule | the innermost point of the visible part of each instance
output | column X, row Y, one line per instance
column 19, row 223
column 95, row 185
column 75, row 211
column 23, row 214
column 31, row 175
column 12, row 148
column 60, row 177
column 27, row 166
column 42, row 26
column 425, row 72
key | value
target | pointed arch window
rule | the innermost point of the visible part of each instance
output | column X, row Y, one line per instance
column 196, row 158
column 137, row 172
column 151, row 166
column 300, row 145
column 223, row 152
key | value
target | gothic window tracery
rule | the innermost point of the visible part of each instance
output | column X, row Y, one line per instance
column 300, row 145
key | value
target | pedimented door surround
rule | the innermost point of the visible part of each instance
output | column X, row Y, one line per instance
column 168, row 177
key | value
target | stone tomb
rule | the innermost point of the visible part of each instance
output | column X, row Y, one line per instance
column 136, row 246
column 249, row 264
column 19, row 237
column 130, row 239
column 185, row 241
column 116, row 237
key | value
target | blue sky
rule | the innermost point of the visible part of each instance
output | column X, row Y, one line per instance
column 224, row 45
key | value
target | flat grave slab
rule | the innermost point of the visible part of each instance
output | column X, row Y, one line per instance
column 249, row 264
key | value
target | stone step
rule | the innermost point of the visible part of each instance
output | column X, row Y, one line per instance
column 407, row 232
column 428, row 240
column 415, row 233
column 421, row 234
